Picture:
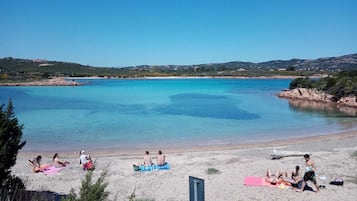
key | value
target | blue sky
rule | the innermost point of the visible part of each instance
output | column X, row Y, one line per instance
column 157, row 32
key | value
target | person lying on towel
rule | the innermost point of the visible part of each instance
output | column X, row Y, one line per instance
column 36, row 163
column 274, row 179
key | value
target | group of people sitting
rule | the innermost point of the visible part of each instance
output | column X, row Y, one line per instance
column 84, row 160
column 148, row 159
column 296, row 179
column 38, row 167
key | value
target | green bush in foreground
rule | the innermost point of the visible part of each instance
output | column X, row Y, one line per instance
column 354, row 154
column 10, row 144
column 89, row 191
column 212, row 171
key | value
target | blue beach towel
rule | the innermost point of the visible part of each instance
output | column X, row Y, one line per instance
column 162, row 167
column 146, row 168
column 154, row 167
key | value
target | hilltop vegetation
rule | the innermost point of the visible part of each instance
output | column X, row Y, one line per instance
column 12, row 69
column 341, row 85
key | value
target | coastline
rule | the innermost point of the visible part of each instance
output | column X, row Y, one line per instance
column 314, row 95
column 332, row 154
column 103, row 152
column 70, row 81
column 57, row 81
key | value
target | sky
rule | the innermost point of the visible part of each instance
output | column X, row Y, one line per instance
column 118, row 33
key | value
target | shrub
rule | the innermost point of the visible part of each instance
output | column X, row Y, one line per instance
column 301, row 83
column 10, row 144
column 340, row 85
column 89, row 191
column 354, row 154
column 212, row 171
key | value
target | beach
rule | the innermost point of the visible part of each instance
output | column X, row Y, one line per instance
column 56, row 81
column 334, row 155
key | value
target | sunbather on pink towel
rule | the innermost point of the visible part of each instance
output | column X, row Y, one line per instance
column 36, row 163
column 57, row 162
column 272, row 178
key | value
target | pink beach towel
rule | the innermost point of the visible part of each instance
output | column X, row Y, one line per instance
column 51, row 170
column 256, row 181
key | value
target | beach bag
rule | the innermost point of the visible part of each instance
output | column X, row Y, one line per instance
column 337, row 181
column 88, row 166
column 136, row 168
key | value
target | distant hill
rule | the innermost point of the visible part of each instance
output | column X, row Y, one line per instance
column 329, row 64
column 26, row 69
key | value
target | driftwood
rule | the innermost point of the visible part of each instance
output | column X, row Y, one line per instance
column 276, row 156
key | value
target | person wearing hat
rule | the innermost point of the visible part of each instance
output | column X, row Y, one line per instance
column 85, row 161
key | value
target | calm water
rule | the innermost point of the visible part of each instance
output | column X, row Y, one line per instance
column 165, row 113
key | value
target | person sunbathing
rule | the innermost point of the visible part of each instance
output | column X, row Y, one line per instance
column 36, row 163
column 57, row 162
column 147, row 159
column 272, row 178
column 294, row 180
column 160, row 158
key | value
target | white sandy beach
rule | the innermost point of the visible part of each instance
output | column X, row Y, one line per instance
column 332, row 155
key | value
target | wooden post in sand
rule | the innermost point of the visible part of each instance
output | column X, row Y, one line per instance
column 197, row 189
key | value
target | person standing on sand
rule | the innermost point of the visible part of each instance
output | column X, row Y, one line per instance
column 310, row 169
column 161, row 158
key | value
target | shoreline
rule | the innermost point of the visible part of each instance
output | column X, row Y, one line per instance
column 107, row 152
column 56, row 81
column 195, row 77
column 65, row 81
column 314, row 95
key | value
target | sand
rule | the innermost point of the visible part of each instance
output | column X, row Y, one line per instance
column 333, row 155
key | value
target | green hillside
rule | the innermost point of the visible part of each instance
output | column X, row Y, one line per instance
column 12, row 69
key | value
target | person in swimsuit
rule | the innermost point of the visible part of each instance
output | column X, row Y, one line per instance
column 295, row 180
column 160, row 158
column 309, row 175
column 147, row 159
column 36, row 163
column 57, row 162
column 272, row 178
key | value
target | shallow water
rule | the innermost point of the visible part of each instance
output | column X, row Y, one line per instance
column 159, row 113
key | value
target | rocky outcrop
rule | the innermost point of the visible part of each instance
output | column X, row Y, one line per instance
column 49, row 82
column 318, row 96
column 322, row 107
column 306, row 94
column 348, row 101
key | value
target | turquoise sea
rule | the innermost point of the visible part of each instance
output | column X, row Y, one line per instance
column 162, row 113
